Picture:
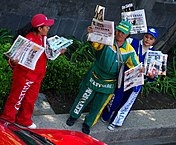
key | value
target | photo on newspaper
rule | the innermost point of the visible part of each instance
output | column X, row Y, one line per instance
column 103, row 32
column 55, row 45
column 137, row 19
column 25, row 52
column 99, row 13
column 133, row 77
column 155, row 63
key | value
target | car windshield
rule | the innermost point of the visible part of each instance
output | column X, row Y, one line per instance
column 26, row 136
column 31, row 138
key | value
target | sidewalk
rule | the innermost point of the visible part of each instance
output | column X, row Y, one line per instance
column 140, row 124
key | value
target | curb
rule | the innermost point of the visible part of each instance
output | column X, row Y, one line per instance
column 140, row 124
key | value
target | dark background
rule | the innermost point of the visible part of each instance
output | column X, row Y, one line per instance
column 73, row 16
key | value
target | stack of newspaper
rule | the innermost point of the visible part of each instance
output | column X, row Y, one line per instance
column 55, row 45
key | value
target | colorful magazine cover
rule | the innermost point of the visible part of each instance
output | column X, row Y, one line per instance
column 155, row 63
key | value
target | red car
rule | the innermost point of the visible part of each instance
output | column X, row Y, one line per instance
column 11, row 134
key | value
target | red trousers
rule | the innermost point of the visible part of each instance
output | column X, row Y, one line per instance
column 25, row 87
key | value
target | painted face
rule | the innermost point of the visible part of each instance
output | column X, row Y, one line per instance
column 44, row 30
column 120, row 36
column 148, row 40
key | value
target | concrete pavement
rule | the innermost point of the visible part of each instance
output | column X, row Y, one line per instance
column 139, row 125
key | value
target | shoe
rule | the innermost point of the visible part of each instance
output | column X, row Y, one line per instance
column 111, row 127
column 103, row 120
column 70, row 121
column 85, row 128
column 32, row 126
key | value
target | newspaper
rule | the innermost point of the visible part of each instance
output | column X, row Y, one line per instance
column 25, row 51
column 155, row 63
column 103, row 30
column 133, row 77
column 137, row 19
column 55, row 45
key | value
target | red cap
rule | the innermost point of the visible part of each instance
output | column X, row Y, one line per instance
column 40, row 20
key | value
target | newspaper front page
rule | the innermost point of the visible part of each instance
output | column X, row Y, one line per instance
column 103, row 32
column 155, row 63
column 25, row 51
column 137, row 19
column 55, row 45
column 133, row 77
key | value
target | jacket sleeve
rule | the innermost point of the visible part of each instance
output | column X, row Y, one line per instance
column 133, row 59
column 97, row 46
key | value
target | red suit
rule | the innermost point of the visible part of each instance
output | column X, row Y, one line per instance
column 25, row 88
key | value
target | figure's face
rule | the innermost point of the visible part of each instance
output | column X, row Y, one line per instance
column 44, row 30
column 120, row 36
column 148, row 40
column 101, row 12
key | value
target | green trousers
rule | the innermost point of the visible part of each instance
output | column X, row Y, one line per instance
column 98, row 102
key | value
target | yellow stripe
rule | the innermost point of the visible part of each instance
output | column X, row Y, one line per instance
column 126, row 29
column 103, row 80
column 99, row 113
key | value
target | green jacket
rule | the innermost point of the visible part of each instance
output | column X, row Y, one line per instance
column 103, row 74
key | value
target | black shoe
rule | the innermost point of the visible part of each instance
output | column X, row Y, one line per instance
column 70, row 121
column 85, row 128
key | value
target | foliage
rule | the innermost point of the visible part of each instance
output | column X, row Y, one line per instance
column 66, row 72
column 5, row 71
column 164, row 84
column 80, row 51
column 5, row 36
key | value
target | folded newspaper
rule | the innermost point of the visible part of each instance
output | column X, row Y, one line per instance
column 155, row 63
column 103, row 30
column 25, row 51
column 55, row 45
column 133, row 77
